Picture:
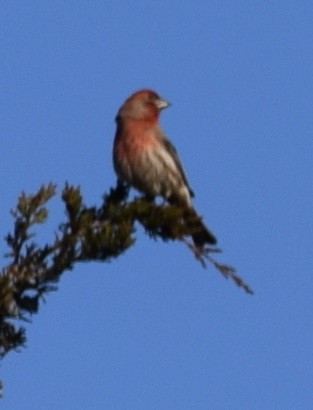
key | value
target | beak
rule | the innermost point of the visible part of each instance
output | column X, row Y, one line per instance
column 161, row 103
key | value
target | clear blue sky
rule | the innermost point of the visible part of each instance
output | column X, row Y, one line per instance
column 153, row 329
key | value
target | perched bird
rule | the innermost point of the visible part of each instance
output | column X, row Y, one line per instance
column 146, row 160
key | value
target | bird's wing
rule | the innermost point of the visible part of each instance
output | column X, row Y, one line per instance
column 172, row 150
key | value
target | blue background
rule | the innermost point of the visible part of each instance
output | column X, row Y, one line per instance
column 153, row 329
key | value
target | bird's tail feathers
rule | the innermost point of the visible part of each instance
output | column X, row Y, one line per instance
column 201, row 234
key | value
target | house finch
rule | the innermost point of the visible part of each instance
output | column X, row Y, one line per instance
column 145, row 159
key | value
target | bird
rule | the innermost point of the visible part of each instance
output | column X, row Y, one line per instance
column 145, row 159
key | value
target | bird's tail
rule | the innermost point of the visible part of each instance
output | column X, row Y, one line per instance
column 201, row 234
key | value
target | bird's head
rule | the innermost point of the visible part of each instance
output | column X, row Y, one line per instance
column 142, row 105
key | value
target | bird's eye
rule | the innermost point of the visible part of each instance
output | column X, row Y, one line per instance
column 151, row 100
